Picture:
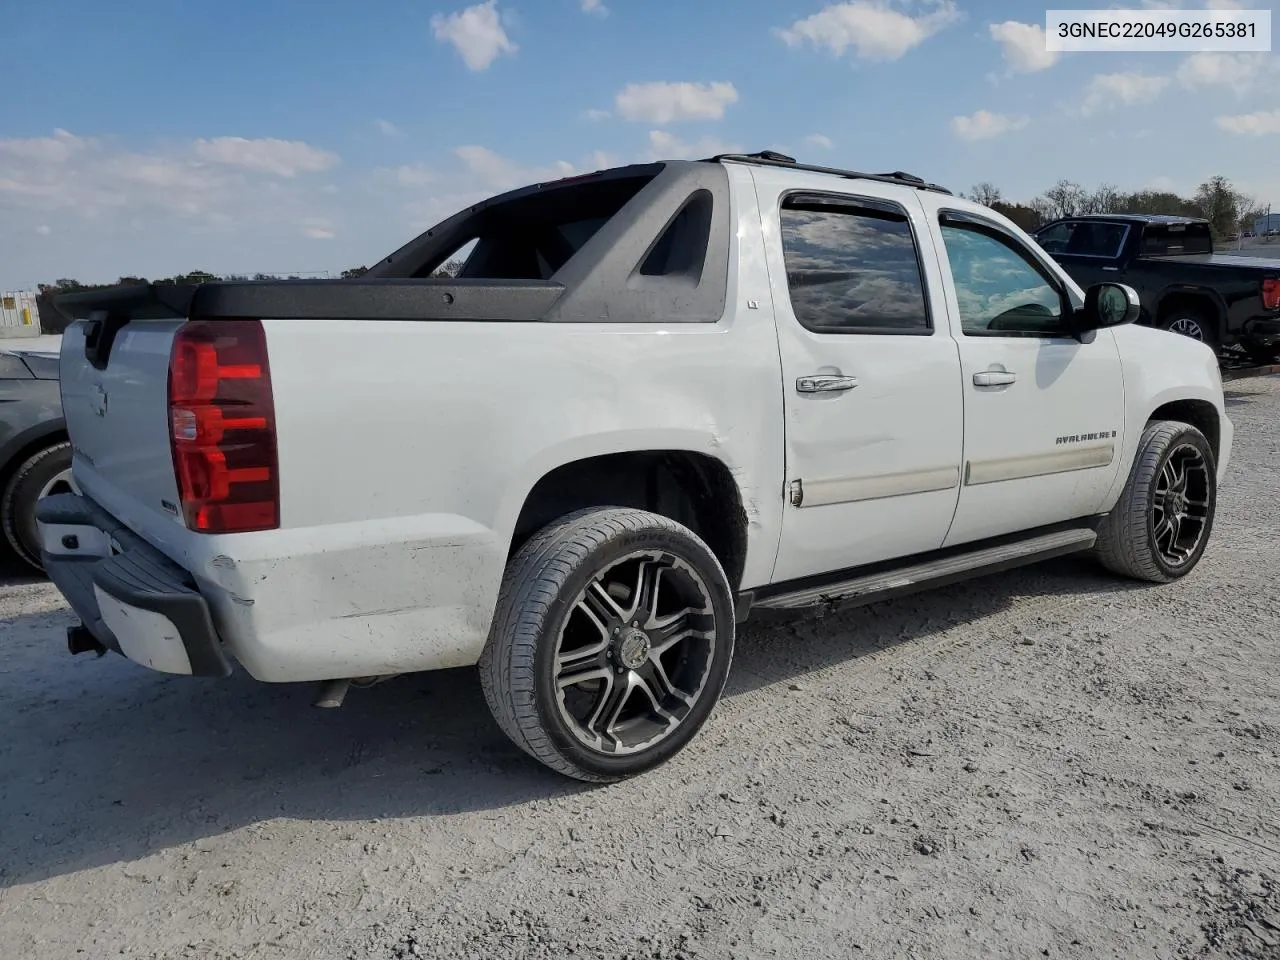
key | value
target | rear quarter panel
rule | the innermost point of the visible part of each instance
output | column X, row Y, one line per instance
column 406, row 453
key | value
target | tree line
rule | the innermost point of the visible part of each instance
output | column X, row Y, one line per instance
column 1228, row 210
column 66, row 285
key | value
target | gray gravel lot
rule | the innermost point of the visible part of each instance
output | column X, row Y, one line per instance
column 1043, row 763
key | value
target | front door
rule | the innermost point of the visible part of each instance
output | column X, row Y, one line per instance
column 870, row 373
column 1043, row 412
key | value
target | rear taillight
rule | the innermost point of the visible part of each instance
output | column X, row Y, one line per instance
column 1271, row 293
column 222, row 427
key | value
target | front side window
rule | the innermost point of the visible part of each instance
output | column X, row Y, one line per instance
column 1001, row 293
column 852, row 268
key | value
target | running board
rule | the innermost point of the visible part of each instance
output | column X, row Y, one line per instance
column 932, row 573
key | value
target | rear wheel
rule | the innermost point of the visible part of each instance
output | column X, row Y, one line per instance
column 1159, row 528
column 45, row 472
column 1194, row 324
column 610, row 644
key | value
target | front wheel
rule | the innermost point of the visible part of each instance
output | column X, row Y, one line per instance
column 1160, row 526
column 610, row 644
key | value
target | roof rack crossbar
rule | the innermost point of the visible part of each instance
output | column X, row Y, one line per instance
column 770, row 158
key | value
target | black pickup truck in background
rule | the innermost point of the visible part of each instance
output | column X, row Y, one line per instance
column 1231, row 303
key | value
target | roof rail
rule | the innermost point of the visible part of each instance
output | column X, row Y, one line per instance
column 771, row 158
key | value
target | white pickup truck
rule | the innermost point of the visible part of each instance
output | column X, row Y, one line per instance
column 655, row 398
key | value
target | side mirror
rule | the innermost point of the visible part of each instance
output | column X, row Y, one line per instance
column 1108, row 305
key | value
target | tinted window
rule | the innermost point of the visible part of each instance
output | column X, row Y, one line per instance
column 1000, row 292
column 534, row 236
column 1174, row 239
column 1084, row 238
column 852, row 268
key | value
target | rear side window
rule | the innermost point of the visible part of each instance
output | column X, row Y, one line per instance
column 1159, row 240
column 852, row 266
column 532, row 237
column 1084, row 238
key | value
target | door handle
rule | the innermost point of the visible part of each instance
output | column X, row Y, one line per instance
column 824, row 384
column 994, row 378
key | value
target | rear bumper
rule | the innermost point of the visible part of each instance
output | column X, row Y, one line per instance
column 399, row 595
column 131, row 597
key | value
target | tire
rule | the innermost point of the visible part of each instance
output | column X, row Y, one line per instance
column 1194, row 324
column 41, row 472
column 565, row 591
column 1133, row 540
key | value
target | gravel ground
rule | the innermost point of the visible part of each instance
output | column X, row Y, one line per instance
column 1043, row 763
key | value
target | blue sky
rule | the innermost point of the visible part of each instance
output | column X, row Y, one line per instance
column 287, row 136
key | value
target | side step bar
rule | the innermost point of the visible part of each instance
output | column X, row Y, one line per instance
column 932, row 573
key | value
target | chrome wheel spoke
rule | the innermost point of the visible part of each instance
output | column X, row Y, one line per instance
column 600, row 605
column 571, row 678
column 657, row 689
column 644, row 596
column 604, row 719
column 658, row 684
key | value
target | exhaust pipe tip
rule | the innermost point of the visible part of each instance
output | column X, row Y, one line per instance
column 332, row 693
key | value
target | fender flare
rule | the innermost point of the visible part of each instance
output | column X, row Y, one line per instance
column 1214, row 299
column 27, row 439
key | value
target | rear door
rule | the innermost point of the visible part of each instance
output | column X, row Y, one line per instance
column 1043, row 412
column 870, row 374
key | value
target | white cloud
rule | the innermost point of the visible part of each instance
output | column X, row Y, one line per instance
column 501, row 173
column 319, row 233
column 413, row 175
column 283, row 158
column 872, row 28
column 667, row 146
column 595, row 6
column 596, row 115
column 59, row 148
column 1239, row 72
column 819, row 140
column 663, row 103
column 476, row 33
column 1023, row 45
column 387, row 128
column 1252, row 124
column 984, row 125
column 44, row 230
column 1108, row 90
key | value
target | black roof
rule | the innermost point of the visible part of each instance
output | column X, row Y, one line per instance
column 1137, row 218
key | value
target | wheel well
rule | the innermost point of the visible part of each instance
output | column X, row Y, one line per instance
column 691, row 488
column 1193, row 302
column 1198, row 413
column 23, row 453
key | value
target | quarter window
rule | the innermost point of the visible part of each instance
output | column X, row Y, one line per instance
column 1001, row 293
column 852, row 267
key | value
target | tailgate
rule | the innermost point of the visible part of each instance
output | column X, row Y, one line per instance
column 116, row 410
